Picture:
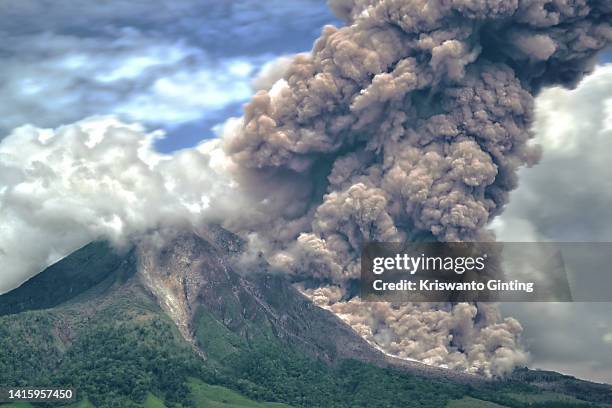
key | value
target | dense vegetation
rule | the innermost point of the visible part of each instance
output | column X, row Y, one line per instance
column 118, row 349
column 268, row 370
column 126, row 353
column 113, row 362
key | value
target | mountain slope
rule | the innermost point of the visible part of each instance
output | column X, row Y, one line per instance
column 121, row 327
column 95, row 265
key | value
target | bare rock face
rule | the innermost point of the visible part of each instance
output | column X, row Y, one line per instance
column 177, row 272
column 190, row 271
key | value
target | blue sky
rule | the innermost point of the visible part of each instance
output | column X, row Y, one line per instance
column 183, row 66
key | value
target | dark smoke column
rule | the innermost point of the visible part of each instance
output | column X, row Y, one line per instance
column 410, row 122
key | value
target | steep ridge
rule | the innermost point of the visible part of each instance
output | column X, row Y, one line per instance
column 96, row 265
column 189, row 273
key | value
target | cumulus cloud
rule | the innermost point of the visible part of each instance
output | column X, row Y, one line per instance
column 567, row 197
column 271, row 72
column 550, row 331
column 165, row 64
column 97, row 178
column 574, row 128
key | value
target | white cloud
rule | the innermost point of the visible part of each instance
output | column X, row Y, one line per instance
column 567, row 197
column 97, row 178
column 180, row 62
column 159, row 82
column 186, row 95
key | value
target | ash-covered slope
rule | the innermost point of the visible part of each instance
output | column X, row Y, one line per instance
column 190, row 274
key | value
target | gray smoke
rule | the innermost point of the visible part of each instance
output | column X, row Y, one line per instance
column 413, row 119
column 441, row 335
column 408, row 123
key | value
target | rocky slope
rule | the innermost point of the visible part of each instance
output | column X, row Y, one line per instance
column 186, row 272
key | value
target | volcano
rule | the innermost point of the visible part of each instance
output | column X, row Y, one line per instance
column 171, row 321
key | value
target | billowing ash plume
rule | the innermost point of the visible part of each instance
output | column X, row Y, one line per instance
column 411, row 120
column 409, row 123
column 440, row 335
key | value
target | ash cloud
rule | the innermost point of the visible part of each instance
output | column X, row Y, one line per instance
column 461, row 337
column 410, row 122
column 405, row 122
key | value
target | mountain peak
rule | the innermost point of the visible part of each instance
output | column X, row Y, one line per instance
column 189, row 272
column 177, row 293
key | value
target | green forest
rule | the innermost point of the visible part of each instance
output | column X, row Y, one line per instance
column 129, row 354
